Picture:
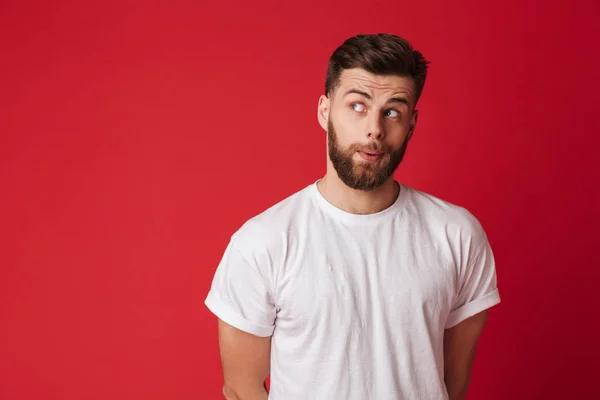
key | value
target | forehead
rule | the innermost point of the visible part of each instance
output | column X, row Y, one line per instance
column 377, row 85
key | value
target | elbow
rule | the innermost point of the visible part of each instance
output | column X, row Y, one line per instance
column 245, row 393
column 229, row 393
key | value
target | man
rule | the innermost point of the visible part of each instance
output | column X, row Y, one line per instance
column 358, row 286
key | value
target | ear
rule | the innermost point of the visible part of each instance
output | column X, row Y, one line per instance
column 413, row 124
column 323, row 111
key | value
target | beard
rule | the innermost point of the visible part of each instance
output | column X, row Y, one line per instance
column 365, row 176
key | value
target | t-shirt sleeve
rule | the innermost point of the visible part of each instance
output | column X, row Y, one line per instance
column 477, row 284
column 240, row 294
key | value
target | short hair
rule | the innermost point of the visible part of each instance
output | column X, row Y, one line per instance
column 380, row 54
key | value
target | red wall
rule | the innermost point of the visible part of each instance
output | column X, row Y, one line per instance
column 136, row 138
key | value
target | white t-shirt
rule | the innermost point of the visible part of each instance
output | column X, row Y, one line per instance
column 356, row 304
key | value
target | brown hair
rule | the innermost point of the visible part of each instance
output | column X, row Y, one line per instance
column 381, row 54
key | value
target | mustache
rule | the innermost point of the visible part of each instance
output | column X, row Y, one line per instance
column 370, row 147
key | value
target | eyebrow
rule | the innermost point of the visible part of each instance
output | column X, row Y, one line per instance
column 402, row 100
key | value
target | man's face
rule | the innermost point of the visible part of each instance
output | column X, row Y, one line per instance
column 369, row 121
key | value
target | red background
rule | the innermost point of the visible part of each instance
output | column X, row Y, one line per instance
column 135, row 138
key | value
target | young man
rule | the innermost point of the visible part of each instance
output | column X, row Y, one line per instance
column 358, row 286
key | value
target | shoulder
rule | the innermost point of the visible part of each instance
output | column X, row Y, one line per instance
column 450, row 225
column 437, row 213
column 271, row 227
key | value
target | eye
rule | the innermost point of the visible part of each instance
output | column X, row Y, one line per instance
column 392, row 114
column 358, row 107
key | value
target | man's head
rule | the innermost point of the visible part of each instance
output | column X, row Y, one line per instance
column 372, row 86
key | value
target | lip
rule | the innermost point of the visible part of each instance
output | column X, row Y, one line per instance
column 370, row 155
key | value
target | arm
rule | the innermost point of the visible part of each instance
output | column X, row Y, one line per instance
column 460, row 343
column 245, row 359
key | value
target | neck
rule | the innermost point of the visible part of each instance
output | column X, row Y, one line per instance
column 357, row 201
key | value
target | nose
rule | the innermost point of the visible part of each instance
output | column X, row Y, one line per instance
column 375, row 127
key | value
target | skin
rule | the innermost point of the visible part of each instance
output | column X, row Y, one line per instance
column 365, row 113
column 460, row 344
column 245, row 360
column 378, row 121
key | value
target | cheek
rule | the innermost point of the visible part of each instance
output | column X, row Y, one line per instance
column 347, row 132
column 397, row 132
